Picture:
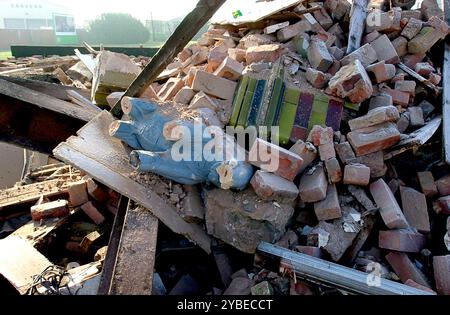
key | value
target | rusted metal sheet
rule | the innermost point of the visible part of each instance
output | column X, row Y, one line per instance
column 106, row 159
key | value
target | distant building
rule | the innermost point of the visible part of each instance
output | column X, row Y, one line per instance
column 34, row 15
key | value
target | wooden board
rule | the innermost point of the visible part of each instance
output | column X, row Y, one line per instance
column 19, row 262
column 106, row 159
column 133, row 272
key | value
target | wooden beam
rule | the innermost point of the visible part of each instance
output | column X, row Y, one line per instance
column 106, row 159
column 358, row 15
column 187, row 29
column 446, row 90
column 279, row 259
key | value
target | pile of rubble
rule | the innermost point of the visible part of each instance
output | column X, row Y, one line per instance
column 361, row 183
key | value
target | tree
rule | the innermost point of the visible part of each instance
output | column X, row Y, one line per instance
column 117, row 28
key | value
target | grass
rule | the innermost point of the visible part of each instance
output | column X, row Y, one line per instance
column 4, row 55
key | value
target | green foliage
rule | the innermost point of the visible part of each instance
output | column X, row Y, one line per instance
column 117, row 28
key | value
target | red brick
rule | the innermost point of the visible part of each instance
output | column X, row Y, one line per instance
column 321, row 135
column 398, row 97
column 184, row 96
column 359, row 91
column 345, row 152
column 287, row 164
column 334, row 170
column 319, row 56
column 374, row 117
column 356, row 174
column 326, row 151
column 405, row 268
column 299, row 287
column 92, row 212
column 237, row 54
column 78, row 194
column 317, row 78
column 402, row 241
column 329, row 208
column 427, row 184
column 412, row 28
column 400, row 45
column 275, row 27
column 373, row 139
column 441, row 266
column 306, row 151
column 385, row 50
column 95, row 191
column 379, row 72
column 230, row 69
column 170, row 89
column 269, row 186
column 415, row 209
column 53, row 209
column 442, row 205
column 443, row 185
column 263, row 53
column 313, row 185
column 293, row 30
column 407, row 86
column 412, row 59
column 310, row 250
column 389, row 209
column 214, row 85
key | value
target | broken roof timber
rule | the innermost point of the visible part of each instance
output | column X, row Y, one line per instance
column 106, row 159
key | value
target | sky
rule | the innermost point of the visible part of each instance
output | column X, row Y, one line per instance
column 85, row 10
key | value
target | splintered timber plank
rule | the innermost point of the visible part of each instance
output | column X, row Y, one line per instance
column 106, row 160
column 32, row 192
column 133, row 272
column 19, row 262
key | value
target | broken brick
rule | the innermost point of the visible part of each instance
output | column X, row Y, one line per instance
column 415, row 209
column 269, row 186
column 170, row 89
column 351, row 81
column 275, row 27
column 214, row 85
column 53, row 209
column 365, row 54
column 263, row 53
column 416, row 116
column 320, row 135
column 374, row 117
column 385, row 50
column 398, row 97
column 184, row 95
column 318, row 55
column 427, row 37
column 441, row 266
column 310, row 251
column 201, row 100
column 356, row 174
column 427, row 184
column 381, row 71
column 443, row 185
column 380, row 100
column 95, row 191
column 293, row 30
column 374, row 138
column 77, row 194
column 92, row 212
column 442, row 205
column 402, row 241
column 329, row 208
column 334, row 170
column 412, row 28
column 389, row 209
column 281, row 161
column 345, row 152
column 405, row 268
column 313, row 185
column 400, row 45
column 306, row 151
column 326, row 151
column 230, row 69
column 317, row 78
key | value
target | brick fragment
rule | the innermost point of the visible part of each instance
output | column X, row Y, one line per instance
column 192, row 209
column 263, row 53
column 237, row 54
column 374, row 161
column 272, row 158
column 92, row 212
column 427, row 37
column 442, row 205
column 88, row 241
column 443, row 185
column 389, row 209
column 313, row 185
column 326, row 151
column 441, row 267
column 184, row 95
column 400, row 45
column 414, row 284
column 230, row 69
column 53, row 209
column 402, row 241
column 385, row 50
column 380, row 71
column 365, row 54
column 170, row 89
column 309, row 250
column 378, row 20
column 427, row 184
column 351, row 81
column 380, row 100
column 293, row 30
column 403, row 122
column 275, row 27
column 269, row 186
column 405, row 268
column 201, row 100
column 411, row 60
column 416, row 116
column 78, row 194
column 334, row 170
column 318, row 55
column 415, row 209
column 320, row 135
column 356, row 174
column 374, row 117
column 306, row 151
column 345, row 152
column 329, row 208
column 412, row 28
column 214, row 85
column 95, row 191
column 374, row 138
column 317, row 78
